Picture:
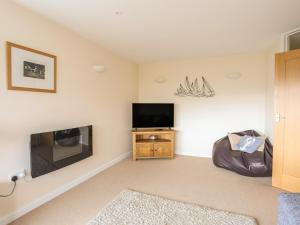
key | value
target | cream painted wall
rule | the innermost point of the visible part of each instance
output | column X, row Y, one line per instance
column 238, row 104
column 83, row 97
column 276, row 47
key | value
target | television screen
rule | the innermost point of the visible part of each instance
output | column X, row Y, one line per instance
column 56, row 149
column 150, row 115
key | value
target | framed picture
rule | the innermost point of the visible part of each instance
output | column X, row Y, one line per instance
column 30, row 70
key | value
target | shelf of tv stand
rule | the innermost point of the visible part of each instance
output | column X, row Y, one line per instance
column 152, row 140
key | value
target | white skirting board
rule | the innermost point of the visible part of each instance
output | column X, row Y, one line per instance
column 40, row 201
column 195, row 155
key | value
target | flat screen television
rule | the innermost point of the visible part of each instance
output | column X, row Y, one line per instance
column 53, row 150
column 152, row 115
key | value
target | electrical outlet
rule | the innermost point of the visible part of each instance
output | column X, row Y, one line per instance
column 20, row 174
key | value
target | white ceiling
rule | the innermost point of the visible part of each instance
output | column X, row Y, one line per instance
column 153, row 30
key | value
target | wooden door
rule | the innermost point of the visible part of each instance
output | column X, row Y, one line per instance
column 162, row 150
column 144, row 150
column 286, row 157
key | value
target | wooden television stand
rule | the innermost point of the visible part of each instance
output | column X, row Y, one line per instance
column 153, row 143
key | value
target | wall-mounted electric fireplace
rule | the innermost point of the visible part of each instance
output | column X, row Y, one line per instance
column 53, row 150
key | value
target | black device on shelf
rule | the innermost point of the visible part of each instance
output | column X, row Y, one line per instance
column 152, row 115
column 53, row 150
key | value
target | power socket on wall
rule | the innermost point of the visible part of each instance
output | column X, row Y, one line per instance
column 20, row 174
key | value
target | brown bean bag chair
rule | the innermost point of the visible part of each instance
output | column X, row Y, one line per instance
column 256, row 164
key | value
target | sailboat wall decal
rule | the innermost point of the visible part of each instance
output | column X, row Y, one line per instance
column 194, row 90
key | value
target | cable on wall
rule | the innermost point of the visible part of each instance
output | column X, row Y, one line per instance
column 13, row 179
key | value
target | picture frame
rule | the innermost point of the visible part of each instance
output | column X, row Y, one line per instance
column 30, row 70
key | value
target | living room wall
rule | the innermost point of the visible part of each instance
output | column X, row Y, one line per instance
column 83, row 97
column 239, row 104
column 276, row 47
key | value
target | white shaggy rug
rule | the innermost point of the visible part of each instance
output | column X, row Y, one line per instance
column 135, row 208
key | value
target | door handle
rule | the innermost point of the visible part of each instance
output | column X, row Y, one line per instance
column 153, row 148
column 278, row 117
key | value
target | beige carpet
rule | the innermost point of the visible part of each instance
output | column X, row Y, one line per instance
column 187, row 179
column 136, row 208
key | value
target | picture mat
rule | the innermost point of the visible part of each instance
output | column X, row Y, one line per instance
column 18, row 56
